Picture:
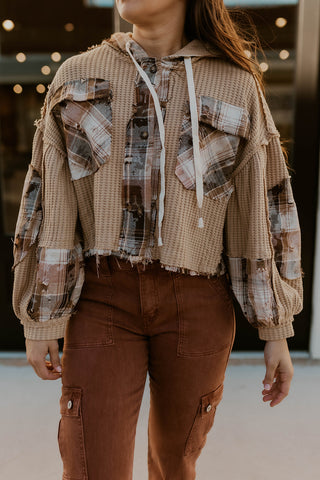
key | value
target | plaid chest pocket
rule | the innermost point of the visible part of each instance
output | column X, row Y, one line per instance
column 221, row 127
column 84, row 109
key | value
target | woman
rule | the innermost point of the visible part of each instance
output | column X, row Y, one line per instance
column 157, row 193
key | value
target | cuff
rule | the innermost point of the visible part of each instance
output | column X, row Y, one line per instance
column 277, row 332
column 49, row 330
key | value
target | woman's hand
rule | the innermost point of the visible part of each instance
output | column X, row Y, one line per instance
column 279, row 366
column 37, row 350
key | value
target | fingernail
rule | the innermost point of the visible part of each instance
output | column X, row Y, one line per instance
column 267, row 386
column 58, row 368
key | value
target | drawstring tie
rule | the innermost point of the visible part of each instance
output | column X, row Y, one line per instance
column 195, row 137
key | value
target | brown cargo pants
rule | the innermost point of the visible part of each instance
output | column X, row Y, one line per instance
column 131, row 320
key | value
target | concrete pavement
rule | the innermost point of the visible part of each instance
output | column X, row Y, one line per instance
column 249, row 439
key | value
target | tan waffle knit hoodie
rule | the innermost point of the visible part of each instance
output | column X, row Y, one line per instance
column 225, row 195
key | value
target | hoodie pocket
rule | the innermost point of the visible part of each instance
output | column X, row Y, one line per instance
column 221, row 127
column 84, row 109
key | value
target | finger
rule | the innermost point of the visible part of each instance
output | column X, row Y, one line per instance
column 54, row 356
column 269, row 376
column 284, row 386
column 278, row 399
column 272, row 389
column 39, row 366
column 267, row 398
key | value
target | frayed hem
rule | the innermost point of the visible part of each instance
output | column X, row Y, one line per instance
column 147, row 259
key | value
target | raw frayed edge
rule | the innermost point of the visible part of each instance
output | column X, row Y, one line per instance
column 147, row 259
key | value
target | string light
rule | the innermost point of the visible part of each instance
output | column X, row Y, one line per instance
column 264, row 67
column 45, row 70
column 21, row 57
column 17, row 88
column 284, row 54
column 55, row 56
column 281, row 22
column 8, row 25
column 40, row 88
column 69, row 27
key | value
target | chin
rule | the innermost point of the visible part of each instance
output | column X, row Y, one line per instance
column 141, row 11
column 133, row 11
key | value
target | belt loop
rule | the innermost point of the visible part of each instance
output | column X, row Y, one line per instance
column 106, row 265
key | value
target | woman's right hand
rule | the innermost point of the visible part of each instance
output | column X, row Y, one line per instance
column 37, row 350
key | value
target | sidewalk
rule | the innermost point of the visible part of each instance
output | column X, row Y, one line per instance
column 249, row 439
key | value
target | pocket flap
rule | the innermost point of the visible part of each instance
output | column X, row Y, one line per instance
column 83, row 89
column 210, row 400
column 70, row 401
column 224, row 116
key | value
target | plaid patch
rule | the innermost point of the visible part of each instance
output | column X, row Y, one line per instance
column 252, row 285
column 30, row 216
column 85, row 111
column 224, row 116
column 285, row 229
column 220, row 127
column 142, row 160
column 59, row 280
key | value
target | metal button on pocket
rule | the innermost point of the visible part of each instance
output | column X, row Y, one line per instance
column 144, row 134
column 70, row 404
column 208, row 408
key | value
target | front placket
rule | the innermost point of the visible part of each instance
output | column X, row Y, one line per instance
column 142, row 161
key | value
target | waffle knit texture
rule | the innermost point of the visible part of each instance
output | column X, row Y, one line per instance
column 69, row 210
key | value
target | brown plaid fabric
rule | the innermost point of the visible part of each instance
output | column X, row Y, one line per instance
column 285, row 229
column 142, row 160
column 252, row 286
column 83, row 107
column 30, row 215
column 220, row 127
column 59, row 278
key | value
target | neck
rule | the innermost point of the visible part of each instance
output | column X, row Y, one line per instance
column 163, row 37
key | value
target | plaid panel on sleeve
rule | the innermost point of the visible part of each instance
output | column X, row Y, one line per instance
column 285, row 229
column 30, row 215
column 252, row 286
column 59, row 279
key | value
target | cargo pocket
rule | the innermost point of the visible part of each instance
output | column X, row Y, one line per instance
column 71, row 436
column 221, row 127
column 203, row 420
column 84, row 109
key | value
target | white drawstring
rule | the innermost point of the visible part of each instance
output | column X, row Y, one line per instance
column 162, row 138
column 195, row 136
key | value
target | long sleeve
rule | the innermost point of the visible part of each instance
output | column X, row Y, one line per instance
column 262, row 230
column 48, row 261
column 263, row 243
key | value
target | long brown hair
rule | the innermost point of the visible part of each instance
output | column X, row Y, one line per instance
column 211, row 22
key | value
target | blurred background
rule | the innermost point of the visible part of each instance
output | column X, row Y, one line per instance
column 35, row 40
column 280, row 443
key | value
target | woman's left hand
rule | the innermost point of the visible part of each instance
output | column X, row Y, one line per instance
column 279, row 366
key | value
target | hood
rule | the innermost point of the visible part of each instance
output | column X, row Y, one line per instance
column 186, row 56
column 195, row 48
